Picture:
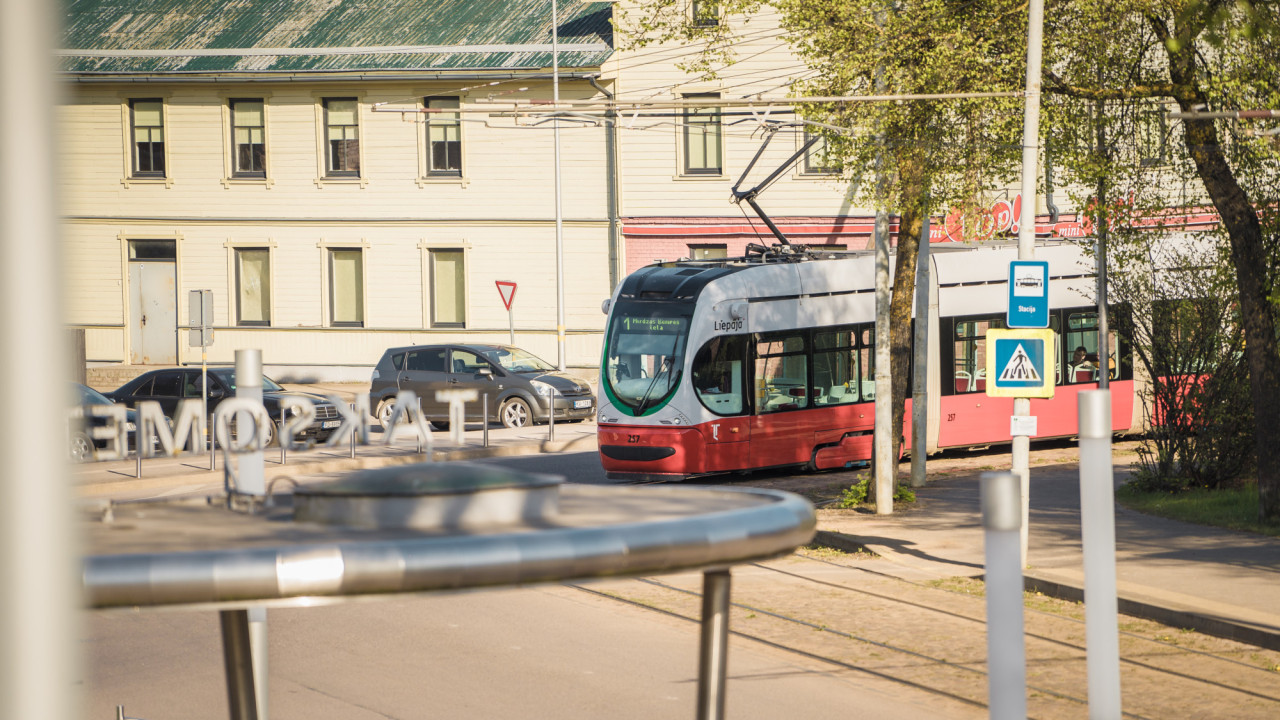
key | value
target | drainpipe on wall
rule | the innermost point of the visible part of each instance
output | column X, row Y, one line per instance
column 616, row 256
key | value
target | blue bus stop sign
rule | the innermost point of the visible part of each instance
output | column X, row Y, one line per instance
column 1028, row 294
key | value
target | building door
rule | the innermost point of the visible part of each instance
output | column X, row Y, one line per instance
column 153, row 302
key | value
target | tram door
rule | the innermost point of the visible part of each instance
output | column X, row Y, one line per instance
column 153, row 303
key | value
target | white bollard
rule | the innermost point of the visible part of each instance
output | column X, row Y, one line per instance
column 1006, row 646
column 251, row 468
column 1098, row 539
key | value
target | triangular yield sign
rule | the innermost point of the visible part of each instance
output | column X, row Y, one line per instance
column 507, row 290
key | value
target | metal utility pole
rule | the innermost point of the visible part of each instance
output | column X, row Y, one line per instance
column 1027, row 236
column 920, row 380
column 555, row 124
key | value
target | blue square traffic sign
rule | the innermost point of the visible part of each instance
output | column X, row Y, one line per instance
column 1028, row 294
column 1020, row 363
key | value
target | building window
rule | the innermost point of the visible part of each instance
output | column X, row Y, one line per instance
column 253, row 286
column 1153, row 150
column 148, row 137
column 705, row 14
column 249, row 138
column 448, row 288
column 816, row 160
column 702, row 153
column 444, row 137
column 346, row 287
column 708, row 252
column 342, row 137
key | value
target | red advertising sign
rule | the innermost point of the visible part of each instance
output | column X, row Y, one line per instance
column 508, row 292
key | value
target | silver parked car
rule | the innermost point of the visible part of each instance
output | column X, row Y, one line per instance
column 522, row 387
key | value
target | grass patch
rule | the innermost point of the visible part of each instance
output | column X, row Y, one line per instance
column 1235, row 508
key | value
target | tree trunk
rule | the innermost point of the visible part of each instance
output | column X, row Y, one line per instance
column 1240, row 219
column 913, row 183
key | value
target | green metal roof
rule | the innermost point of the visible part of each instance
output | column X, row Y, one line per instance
column 134, row 37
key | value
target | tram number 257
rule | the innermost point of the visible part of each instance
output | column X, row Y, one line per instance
column 633, row 439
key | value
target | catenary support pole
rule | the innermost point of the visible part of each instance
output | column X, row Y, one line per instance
column 1098, row 539
column 1006, row 647
column 1027, row 237
column 713, row 650
column 555, row 124
column 920, row 361
column 885, row 467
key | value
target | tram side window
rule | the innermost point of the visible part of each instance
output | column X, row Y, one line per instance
column 1082, row 348
column 836, row 367
column 782, row 381
column 969, row 374
column 717, row 374
column 867, row 364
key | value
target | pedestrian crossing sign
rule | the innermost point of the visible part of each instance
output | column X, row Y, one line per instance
column 1020, row 363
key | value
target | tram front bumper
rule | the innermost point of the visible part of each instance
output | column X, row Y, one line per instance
column 651, row 453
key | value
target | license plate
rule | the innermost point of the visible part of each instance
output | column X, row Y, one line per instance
column 579, row 404
column 330, row 424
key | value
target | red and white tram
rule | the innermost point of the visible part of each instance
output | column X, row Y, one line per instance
column 768, row 360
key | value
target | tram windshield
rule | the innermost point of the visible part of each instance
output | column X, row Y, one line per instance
column 644, row 357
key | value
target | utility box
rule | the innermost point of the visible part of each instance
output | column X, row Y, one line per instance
column 200, row 318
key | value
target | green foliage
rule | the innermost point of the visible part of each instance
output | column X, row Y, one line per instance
column 856, row 494
column 1233, row 507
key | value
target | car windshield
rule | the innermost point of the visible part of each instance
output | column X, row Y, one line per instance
column 644, row 357
column 516, row 360
column 85, row 395
column 228, row 378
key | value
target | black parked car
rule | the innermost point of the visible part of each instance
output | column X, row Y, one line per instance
column 171, row 385
column 81, row 445
column 521, row 387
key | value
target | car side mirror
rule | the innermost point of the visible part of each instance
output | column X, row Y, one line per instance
column 216, row 393
column 485, row 372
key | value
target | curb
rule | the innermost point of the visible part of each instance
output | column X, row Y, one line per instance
column 1129, row 601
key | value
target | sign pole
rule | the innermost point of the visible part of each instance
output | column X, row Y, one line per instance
column 1027, row 235
column 511, row 326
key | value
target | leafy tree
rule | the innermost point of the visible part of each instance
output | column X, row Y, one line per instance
column 935, row 154
column 1112, row 69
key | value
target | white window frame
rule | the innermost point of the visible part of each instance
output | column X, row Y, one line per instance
column 229, row 178
column 233, row 280
column 425, row 177
column 683, row 137
column 323, row 177
column 127, row 178
column 326, row 270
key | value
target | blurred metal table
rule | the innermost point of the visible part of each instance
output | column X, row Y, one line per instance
column 504, row 530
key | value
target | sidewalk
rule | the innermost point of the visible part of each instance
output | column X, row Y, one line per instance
column 1219, row 582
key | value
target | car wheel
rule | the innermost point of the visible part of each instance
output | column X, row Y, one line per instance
column 81, row 448
column 515, row 413
column 385, row 408
column 272, row 431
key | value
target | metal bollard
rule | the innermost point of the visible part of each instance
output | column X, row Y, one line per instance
column 137, row 452
column 1006, row 646
column 1098, row 540
column 486, row 419
column 551, row 417
column 213, row 454
column 353, row 435
column 280, row 437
